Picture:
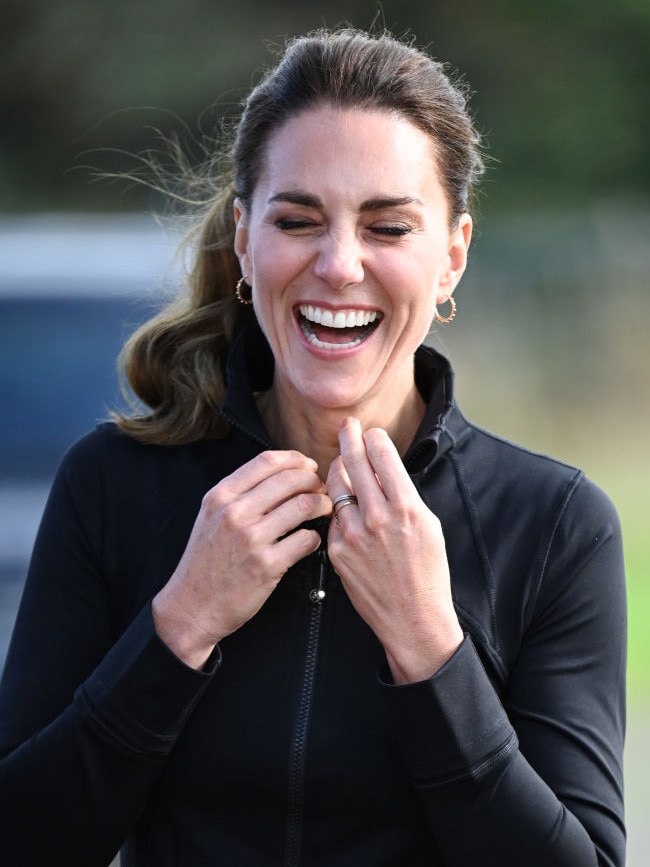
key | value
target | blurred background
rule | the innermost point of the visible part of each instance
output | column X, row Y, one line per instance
column 550, row 342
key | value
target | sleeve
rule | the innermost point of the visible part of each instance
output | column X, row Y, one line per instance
column 87, row 717
column 534, row 775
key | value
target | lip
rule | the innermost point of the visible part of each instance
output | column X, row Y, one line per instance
column 362, row 321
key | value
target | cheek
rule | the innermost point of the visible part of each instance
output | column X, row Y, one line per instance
column 272, row 266
column 413, row 290
column 418, row 297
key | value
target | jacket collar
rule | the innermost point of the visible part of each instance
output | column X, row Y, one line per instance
column 249, row 369
column 434, row 378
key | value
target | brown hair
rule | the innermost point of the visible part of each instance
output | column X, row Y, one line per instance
column 174, row 362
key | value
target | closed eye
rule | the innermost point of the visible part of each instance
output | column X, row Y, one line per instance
column 393, row 231
column 287, row 224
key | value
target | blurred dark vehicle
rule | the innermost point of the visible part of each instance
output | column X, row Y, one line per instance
column 71, row 289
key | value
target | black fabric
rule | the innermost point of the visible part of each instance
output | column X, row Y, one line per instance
column 293, row 746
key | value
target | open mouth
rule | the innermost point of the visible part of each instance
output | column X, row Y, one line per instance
column 336, row 330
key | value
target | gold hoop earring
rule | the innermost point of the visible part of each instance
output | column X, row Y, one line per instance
column 238, row 293
column 452, row 312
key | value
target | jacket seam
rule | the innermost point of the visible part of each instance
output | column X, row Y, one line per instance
column 477, row 772
column 561, row 511
column 100, row 724
column 477, row 535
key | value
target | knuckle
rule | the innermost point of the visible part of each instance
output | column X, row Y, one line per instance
column 379, row 442
column 376, row 520
column 215, row 499
column 378, row 437
column 354, row 459
column 292, row 480
column 334, row 549
column 270, row 464
column 273, row 458
column 306, row 540
column 304, row 504
column 268, row 459
column 257, row 562
column 232, row 516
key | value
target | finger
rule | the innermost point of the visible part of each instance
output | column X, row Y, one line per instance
column 251, row 528
column 339, row 489
column 250, row 504
column 264, row 466
column 283, row 486
column 294, row 547
column 338, row 481
column 291, row 514
column 357, row 464
column 387, row 465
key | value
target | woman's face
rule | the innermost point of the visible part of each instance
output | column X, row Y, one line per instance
column 348, row 249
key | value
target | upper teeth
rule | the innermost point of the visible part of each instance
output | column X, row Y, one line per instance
column 340, row 319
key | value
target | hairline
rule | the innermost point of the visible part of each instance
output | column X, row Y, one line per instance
column 349, row 106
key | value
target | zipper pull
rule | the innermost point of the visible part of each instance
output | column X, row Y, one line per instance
column 317, row 594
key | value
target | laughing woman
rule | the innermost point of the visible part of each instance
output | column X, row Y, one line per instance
column 302, row 612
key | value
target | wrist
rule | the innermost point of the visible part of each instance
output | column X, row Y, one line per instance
column 410, row 662
column 181, row 633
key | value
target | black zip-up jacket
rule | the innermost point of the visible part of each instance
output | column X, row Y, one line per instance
column 292, row 746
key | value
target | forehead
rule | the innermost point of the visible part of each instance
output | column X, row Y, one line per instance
column 349, row 149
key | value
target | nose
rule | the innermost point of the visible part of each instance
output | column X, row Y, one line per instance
column 340, row 261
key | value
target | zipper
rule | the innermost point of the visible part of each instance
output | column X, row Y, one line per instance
column 298, row 753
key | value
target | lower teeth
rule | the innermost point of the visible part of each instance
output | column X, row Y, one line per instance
column 324, row 344
column 321, row 344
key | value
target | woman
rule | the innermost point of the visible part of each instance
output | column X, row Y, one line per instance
column 303, row 612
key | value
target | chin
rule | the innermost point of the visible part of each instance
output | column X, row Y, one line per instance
column 345, row 403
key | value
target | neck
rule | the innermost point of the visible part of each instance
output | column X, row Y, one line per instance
column 313, row 430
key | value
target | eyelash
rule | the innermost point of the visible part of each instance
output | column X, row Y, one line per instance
column 396, row 231
column 286, row 224
column 399, row 230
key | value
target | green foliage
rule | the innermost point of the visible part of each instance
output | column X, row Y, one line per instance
column 560, row 86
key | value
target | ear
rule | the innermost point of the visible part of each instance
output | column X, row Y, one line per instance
column 459, row 241
column 241, row 237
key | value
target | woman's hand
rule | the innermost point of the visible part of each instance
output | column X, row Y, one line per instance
column 390, row 554
column 241, row 545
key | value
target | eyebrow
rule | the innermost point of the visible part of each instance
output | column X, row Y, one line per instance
column 297, row 197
